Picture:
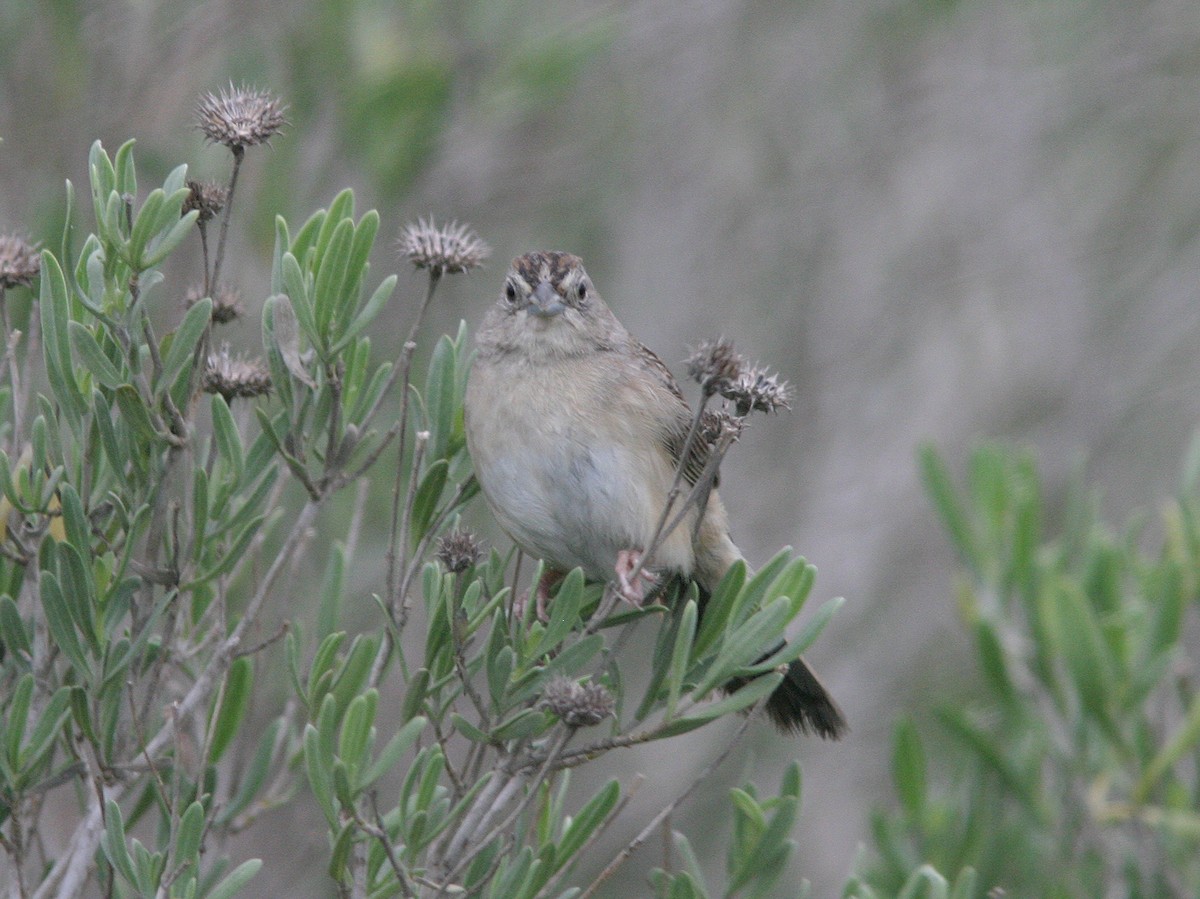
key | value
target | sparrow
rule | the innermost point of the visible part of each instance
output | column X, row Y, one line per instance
column 575, row 430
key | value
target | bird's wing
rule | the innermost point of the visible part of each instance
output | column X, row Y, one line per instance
column 678, row 423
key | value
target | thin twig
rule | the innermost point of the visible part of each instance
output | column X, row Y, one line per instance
column 649, row 829
column 70, row 873
column 531, row 789
column 239, row 152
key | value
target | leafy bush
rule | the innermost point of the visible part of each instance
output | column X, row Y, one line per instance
column 1075, row 772
column 155, row 498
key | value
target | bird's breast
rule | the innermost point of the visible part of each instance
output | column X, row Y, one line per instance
column 569, row 465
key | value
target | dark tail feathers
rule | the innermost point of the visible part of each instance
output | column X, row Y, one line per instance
column 801, row 704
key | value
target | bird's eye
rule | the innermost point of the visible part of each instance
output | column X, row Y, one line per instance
column 582, row 291
column 510, row 292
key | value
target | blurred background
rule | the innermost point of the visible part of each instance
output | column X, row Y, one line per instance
column 941, row 221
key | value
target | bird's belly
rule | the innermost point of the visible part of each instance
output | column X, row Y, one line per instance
column 565, row 502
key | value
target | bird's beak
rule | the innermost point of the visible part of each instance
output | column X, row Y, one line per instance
column 545, row 302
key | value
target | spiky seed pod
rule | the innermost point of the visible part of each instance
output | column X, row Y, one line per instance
column 756, row 390
column 459, row 550
column 240, row 117
column 227, row 303
column 205, row 197
column 578, row 705
column 19, row 261
column 446, row 250
column 715, row 366
column 232, row 377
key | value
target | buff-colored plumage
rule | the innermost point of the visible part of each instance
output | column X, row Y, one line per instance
column 575, row 430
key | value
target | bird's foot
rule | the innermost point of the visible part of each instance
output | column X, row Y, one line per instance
column 632, row 579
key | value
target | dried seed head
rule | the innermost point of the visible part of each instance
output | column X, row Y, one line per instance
column 756, row 390
column 715, row 366
column 232, row 377
column 19, row 261
column 716, row 424
column 578, row 705
column 459, row 550
column 446, row 250
column 227, row 303
column 207, row 197
column 240, row 117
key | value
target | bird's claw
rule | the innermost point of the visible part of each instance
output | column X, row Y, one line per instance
column 632, row 579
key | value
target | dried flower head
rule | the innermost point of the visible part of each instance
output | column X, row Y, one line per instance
column 227, row 303
column 756, row 390
column 578, row 705
column 207, row 197
column 459, row 550
column 715, row 366
column 240, row 117
column 232, row 377
column 446, row 250
column 716, row 424
column 19, row 261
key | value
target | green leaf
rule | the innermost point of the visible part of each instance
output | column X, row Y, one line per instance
column 166, row 244
column 757, row 689
column 18, row 715
column 199, row 512
column 680, row 656
column 76, row 528
column 354, row 671
column 925, row 881
column 523, row 724
column 321, row 671
column 61, row 624
column 414, row 696
column 940, row 488
column 281, row 335
column 188, row 835
column 255, row 775
column 126, row 177
column 429, row 491
column 370, row 311
column 468, row 730
column 319, row 768
column 113, row 843
column 93, row 358
column 226, row 434
column 987, row 751
column 235, row 880
column 13, row 633
column 586, row 823
column 239, row 683
column 1084, row 647
column 908, row 767
column 403, row 740
column 331, row 273
column 143, row 229
column 1185, row 739
column 357, row 725
column 134, row 412
column 185, row 340
column 55, row 317
column 746, row 643
column 564, row 612
column 814, row 626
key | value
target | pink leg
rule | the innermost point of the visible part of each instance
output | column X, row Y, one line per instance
column 633, row 589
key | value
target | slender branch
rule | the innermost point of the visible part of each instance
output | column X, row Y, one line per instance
column 70, row 873
column 649, row 829
column 479, row 843
column 239, row 153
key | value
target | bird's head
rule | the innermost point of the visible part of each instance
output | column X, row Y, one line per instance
column 548, row 307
